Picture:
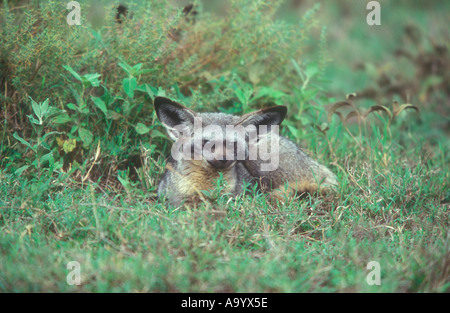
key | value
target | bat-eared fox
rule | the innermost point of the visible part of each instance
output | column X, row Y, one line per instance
column 246, row 151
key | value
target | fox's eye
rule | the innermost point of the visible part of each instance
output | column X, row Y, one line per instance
column 209, row 145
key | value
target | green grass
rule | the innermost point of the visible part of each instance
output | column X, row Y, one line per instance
column 397, row 215
column 96, row 204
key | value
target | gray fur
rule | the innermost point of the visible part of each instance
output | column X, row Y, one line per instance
column 184, row 180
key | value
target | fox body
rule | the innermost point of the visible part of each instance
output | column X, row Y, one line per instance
column 255, row 155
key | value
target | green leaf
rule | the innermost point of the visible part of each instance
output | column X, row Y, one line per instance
column 44, row 108
column 141, row 129
column 150, row 90
column 157, row 133
column 244, row 94
column 142, row 88
column 33, row 120
column 126, row 68
column 72, row 106
column 48, row 157
column 122, row 177
column 161, row 92
column 145, row 71
column 36, row 108
column 83, row 108
column 125, row 183
column 269, row 92
column 75, row 74
column 23, row 141
column 52, row 113
column 100, row 104
column 19, row 171
column 136, row 68
column 312, row 69
column 91, row 79
column 85, row 136
column 73, row 129
column 62, row 119
column 129, row 85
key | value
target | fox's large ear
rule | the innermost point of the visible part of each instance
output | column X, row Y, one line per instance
column 174, row 116
column 268, row 116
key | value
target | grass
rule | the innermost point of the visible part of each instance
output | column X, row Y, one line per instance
column 398, row 218
column 392, row 205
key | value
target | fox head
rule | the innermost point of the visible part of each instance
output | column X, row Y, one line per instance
column 216, row 140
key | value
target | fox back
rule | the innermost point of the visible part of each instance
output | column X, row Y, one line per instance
column 244, row 150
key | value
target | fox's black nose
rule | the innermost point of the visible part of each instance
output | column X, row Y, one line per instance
column 220, row 164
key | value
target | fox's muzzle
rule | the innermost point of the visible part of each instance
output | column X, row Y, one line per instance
column 221, row 164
